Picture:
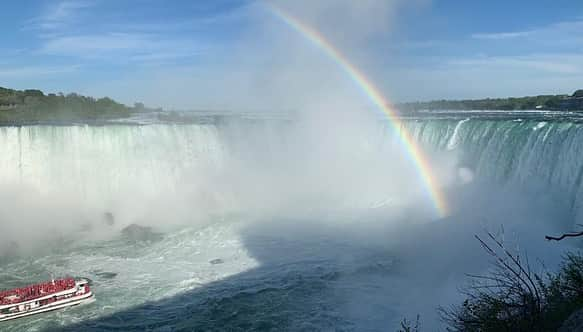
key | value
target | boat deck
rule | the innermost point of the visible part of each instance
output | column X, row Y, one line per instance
column 23, row 294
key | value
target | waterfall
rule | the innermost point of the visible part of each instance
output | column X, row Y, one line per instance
column 543, row 156
column 101, row 162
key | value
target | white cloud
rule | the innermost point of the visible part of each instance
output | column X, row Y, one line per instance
column 35, row 71
column 348, row 23
column 541, row 60
column 495, row 76
column 194, row 23
column 121, row 47
column 87, row 44
column 272, row 65
column 60, row 15
column 549, row 63
column 502, row 35
column 65, row 29
column 566, row 31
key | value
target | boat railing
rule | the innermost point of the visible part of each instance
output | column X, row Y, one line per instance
column 32, row 292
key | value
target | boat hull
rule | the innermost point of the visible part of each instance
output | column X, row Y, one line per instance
column 70, row 302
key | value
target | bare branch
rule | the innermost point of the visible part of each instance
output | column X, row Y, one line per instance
column 547, row 237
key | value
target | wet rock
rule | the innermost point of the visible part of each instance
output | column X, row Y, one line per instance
column 216, row 261
column 108, row 219
column 106, row 275
column 86, row 227
column 137, row 233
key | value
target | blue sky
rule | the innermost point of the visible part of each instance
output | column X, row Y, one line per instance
column 172, row 53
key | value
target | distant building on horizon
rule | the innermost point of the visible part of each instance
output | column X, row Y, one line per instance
column 574, row 102
column 7, row 107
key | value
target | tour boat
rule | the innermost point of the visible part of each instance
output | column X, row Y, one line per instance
column 47, row 296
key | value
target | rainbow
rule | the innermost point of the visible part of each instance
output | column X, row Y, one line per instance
column 372, row 93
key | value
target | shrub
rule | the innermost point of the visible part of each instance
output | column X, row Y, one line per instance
column 514, row 298
column 407, row 325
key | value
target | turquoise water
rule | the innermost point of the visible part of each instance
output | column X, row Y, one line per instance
column 265, row 228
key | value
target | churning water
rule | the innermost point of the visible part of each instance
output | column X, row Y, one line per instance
column 258, row 226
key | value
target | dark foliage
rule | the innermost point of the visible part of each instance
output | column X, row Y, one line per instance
column 33, row 105
column 547, row 102
column 514, row 298
column 410, row 326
